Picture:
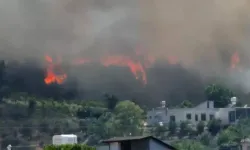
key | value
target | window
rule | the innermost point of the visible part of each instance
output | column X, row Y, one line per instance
column 211, row 116
column 231, row 116
column 188, row 116
column 241, row 113
column 172, row 118
column 196, row 117
column 203, row 117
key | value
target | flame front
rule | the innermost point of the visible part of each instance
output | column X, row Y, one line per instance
column 135, row 67
column 51, row 76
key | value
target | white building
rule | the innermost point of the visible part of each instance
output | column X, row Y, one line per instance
column 64, row 139
column 202, row 112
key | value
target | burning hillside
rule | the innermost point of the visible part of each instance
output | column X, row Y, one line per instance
column 138, row 67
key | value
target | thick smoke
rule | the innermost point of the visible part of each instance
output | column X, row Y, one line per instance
column 201, row 34
column 187, row 29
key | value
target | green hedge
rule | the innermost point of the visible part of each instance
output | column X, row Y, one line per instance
column 69, row 147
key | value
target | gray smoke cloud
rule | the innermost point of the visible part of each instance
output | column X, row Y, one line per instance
column 197, row 32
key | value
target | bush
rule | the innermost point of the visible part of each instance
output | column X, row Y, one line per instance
column 69, row 147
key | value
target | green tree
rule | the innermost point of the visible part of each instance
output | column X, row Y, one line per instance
column 200, row 127
column 111, row 101
column 172, row 127
column 239, row 104
column 235, row 133
column 159, row 131
column 128, row 117
column 3, row 87
column 228, row 136
column 189, row 145
column 205, row 138
column 186, row 104
column 214, row 126
column 219, row 94
column 184, row 129
column 31, row 107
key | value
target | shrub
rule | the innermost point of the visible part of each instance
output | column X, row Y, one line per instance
column 69, row 147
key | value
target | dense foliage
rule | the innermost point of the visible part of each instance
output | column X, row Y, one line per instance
column 69, row 147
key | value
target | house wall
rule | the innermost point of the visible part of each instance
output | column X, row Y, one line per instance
column 157, row 115
column 153, row 145
column 140, row 145
column 222, row 114
column 207, row 104
column 114, row 146
column 102, row 147
column 181, row 114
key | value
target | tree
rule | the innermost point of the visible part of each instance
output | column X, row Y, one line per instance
column 186, row 104
column 184, row 129
column 31, row 107
column 205, row 138
column 159, row 131
column 111, row 101
column 239, row 104
column 228, row 136
column 219, row 94
column 214, row 126
column 200, row 127
column 172, row 126
column 3, row 88
column 128, row 117
column 189, row 145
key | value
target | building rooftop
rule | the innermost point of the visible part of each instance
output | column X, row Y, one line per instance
column 134, row 138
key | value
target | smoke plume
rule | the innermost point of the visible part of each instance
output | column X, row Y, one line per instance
column 202, row 35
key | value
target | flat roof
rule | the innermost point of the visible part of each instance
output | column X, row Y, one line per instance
column 65, row 135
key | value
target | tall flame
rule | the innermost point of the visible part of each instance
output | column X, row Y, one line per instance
column 51, row 76
column 135, row 67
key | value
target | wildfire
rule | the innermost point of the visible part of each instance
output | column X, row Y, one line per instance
column 51, row 76
column 136, row 67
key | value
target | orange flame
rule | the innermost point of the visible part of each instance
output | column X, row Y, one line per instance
column 135, row 67
column 51, row 76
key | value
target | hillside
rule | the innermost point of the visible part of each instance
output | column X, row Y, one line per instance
column 29, row 120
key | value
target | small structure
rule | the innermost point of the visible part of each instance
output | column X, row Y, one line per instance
column 64, row 139
column 137, row 143
column 245, row 144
